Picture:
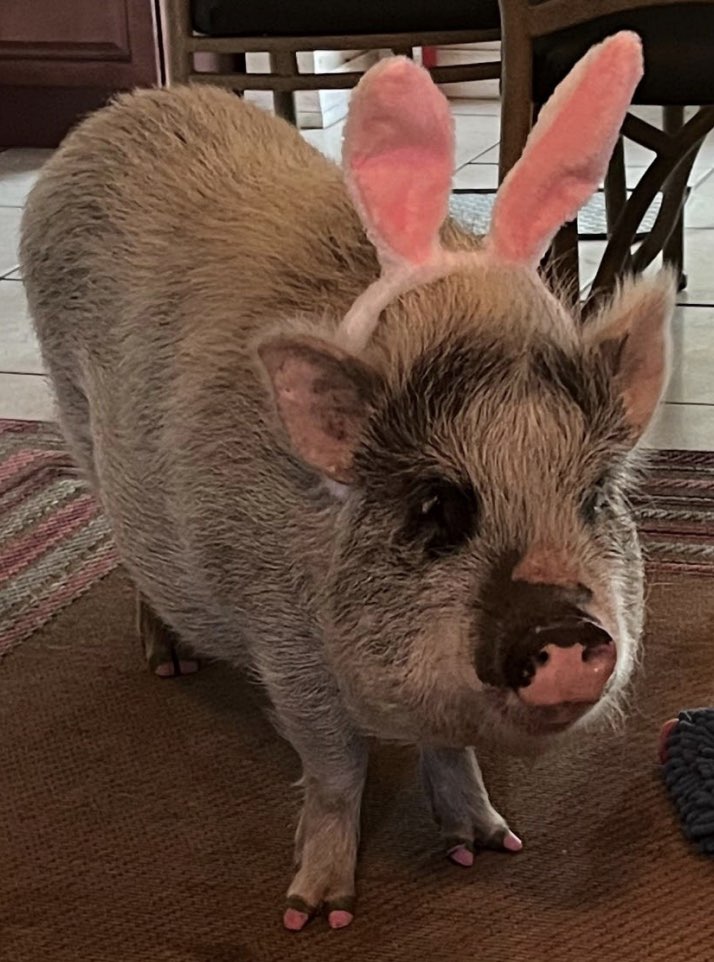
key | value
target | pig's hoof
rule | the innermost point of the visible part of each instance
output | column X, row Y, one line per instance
column 340, row 913
column 461, row 854
column 503, row 838
column 297, row 914
column 163, row 650
column 511, row 842
column 176, row 667
column 339, row 919
column 294, row 920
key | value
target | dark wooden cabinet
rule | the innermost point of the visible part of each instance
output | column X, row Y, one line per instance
column 59, row 59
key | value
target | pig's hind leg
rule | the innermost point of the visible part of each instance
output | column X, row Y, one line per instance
column 163, row 651
column 461, row 806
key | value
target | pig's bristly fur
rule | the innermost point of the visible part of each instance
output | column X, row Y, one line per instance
column 346, row 527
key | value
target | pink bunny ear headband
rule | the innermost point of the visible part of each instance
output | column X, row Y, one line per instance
column 398, row 157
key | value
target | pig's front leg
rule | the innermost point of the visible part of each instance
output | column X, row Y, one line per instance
column 326, row 843
column 334, row 762
column 461, row 806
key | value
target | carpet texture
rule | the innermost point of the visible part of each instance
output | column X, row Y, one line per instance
column 675, row 512
column 54, row 544
column 150, row 821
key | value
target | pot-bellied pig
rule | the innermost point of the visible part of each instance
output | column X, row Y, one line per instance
column 345, row 443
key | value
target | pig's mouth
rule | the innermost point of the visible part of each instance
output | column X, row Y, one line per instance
column 510, row 711
column 526, row 729
column 553, row 721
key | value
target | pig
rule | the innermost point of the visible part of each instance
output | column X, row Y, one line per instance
column 414, row 526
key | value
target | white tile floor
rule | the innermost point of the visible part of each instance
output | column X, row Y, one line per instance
column 687, row 417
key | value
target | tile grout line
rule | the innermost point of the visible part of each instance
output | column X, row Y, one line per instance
column 476, row 156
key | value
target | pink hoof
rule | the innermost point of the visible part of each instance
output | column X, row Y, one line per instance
column 461, row 856
column 512, row 842
column 167, row 669
column 188, row 667
column 339, row 919
column 294, row 920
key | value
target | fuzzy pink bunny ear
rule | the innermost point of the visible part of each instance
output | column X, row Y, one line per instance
column 567, row 153
column 398, row 156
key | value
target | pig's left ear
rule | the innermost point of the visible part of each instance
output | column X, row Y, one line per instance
column 632, row 334
column 398, row 157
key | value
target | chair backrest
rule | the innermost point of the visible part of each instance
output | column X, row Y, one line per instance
column 522, row 22
column 540, row 17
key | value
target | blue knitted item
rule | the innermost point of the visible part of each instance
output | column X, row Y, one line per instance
column 689, row 775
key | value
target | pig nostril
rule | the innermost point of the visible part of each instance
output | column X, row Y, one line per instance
column 542, row 658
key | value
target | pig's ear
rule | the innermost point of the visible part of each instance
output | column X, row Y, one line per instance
column 567, row 153
column 633, row 336
column 323, row 396
column 398, row 157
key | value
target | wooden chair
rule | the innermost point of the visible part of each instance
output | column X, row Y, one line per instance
column 542, row 39
column 232, row 28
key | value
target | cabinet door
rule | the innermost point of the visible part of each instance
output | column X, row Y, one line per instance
column 61, row 58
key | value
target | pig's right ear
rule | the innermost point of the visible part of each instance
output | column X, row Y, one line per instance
column 323, row 396
column 632, row 334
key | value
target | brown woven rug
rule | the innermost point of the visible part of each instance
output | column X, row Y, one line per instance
column 149, row 821
column 54, row 543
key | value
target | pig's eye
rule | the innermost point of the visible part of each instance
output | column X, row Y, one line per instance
column 595, row 501
column 445, row 517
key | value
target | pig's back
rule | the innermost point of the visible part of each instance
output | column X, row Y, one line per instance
column 180, row 193
column 166, row 230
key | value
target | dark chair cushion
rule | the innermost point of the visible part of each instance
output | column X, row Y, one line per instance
column 679, row 53
column 314, row 18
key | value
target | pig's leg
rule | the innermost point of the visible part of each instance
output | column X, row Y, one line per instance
column 162, row 648
column 326, row 843
column 461, row 806
column 309, row 713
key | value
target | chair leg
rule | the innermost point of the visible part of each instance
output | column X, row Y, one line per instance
column 616, row 188
column 284, row 64
column 284, row 103
column 177, row 30
column 673, row 250
column 238, row 65
column 516, row 87
column 615, row 185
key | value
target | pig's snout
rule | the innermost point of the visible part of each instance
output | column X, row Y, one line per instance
column 544, row 644
column 570, row 665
